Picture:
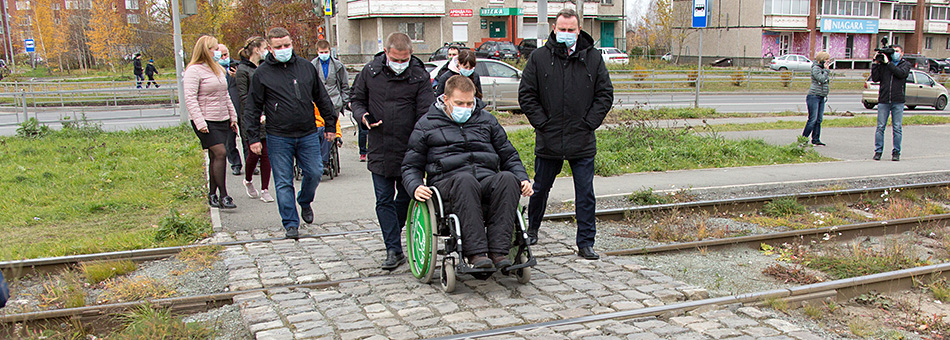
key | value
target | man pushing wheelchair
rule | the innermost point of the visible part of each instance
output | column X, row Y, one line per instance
column 464, row 152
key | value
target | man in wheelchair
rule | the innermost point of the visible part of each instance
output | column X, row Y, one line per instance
column 462, row 150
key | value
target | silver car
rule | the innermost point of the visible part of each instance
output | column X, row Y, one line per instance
column 921, row 90
column 791, row 62
column 500, row 81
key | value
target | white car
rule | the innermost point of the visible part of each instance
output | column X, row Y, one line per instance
column 791, row 62
column 668, row 57
column 613, row 55
column 506, row 79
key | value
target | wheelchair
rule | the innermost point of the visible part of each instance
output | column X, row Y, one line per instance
column 428, row 222
column 331, row 167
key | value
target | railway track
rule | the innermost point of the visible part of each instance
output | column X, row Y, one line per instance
column 204, row 302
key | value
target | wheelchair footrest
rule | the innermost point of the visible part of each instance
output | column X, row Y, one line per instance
column 464, row 268
column 530, row 263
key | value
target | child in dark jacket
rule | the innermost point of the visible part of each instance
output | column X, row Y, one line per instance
column 150, row 72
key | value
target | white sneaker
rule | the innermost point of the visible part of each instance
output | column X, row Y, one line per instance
column 251, row 192
column 265, row 196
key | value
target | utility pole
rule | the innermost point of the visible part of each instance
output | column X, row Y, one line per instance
column 543, row 26
column 9, row 36
column 580, row 14
column 179, row 59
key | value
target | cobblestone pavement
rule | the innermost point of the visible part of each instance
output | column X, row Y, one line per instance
column 395, row 305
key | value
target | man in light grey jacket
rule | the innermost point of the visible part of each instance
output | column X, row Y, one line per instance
column 334, row 77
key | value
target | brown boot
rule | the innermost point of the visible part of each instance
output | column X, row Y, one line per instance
column 500, row 261
column 479, row 261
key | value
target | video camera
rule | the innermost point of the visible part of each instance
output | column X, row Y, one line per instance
column 885, row 49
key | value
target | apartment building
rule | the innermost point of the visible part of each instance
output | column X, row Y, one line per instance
column 360, row 26
column 751, row 31
column 20, row 16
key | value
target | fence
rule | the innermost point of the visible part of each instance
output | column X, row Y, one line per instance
column 649, row 81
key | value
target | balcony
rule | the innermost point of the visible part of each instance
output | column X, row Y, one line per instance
column 786, row 22
column 359, row 9
column 896, row 25
column 936, row 27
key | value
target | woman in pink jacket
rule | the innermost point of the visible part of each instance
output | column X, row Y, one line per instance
column 212, row 113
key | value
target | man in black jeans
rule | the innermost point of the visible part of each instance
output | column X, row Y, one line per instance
column 566, row 93
column 389, row 95
column 484, row 173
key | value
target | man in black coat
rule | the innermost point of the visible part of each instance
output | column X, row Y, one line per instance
column 464, row 152
column 285, row 88
column 566, row 93
column 389, row 95
column 892, row 74
column 137, row 70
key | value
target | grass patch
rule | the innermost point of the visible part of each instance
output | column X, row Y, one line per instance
column 69, row 193
column 63, row 291
column 96, row 272
column 857, row 261
column 133, row 289
column 150, row 323
column 647, row 197
column 783, row 207
column 201, row 257
column 630, row 148
column 796, row 274
column 856, row 121
column 940, row 290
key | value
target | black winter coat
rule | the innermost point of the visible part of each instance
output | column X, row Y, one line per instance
column 893, row 79
column 566, row 97
column 440, row 88
column 286, row 93
column 137, row 66
column 150, row 70
column 242, row 79
column 444, row 148
column 397, row 100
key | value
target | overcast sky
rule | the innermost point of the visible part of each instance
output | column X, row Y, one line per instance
column 635, row 9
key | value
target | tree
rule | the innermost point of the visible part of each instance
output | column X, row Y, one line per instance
column 255, row 17
column 52, row 38
column 655, row 29
column 108, row 32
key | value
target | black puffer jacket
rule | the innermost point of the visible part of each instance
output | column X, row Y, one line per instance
column 893, row 79
column 397, row 100
column 475, row 78
column 445, row 148
column 242, row 78
column 566, row 97
column 286, row 93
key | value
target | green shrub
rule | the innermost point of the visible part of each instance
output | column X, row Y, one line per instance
column 31, row 128
column 783, row 207
column 179, row 226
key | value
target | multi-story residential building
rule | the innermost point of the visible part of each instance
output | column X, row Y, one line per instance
column 753, row 30
column 360, row 26
column 20, row 14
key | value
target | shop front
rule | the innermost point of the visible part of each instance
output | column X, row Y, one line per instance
column 501, row 23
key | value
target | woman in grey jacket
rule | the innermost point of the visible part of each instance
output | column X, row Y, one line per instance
column 817, row 94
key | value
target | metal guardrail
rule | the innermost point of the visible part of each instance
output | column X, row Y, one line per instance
column 634, row 81
column 44, row 100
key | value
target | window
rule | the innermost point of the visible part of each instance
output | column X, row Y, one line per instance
column 56, row 7
column 938, row 13
column 928, row 43
column 948, row 43
column 23, row 5
column 607, row 2
column 133, row 18
column 786, row 7
column 460, row 31
column 131, row 4
column 415, row 30
column 903, row 12
column 860, row 8
column 72, row 4
column 922, row 78
column 496, row 69
column 824, row 43
column 897, row 40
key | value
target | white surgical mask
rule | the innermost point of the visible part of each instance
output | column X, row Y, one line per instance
column 398, row 68
column 461, row 114
column 216, row 55
column 284, row 54
column 466, row 72
column 324, row 56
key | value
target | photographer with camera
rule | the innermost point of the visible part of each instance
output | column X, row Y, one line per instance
column 891, row 72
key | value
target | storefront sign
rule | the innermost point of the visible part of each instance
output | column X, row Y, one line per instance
column 836, row 25
column 484, row 24
column 500, row 12
column 456, row 13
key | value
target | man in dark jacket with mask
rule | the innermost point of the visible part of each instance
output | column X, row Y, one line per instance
column 285, row 88
column 892, row 74
column 463, row 151
column 389, row 95
column 566, row 93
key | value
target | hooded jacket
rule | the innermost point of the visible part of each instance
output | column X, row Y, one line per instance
column 820, row 80
column 286, row 93
column 441, row 148
column 336, row 82
column 893, row 80
column 397, row 100
column 566, row 97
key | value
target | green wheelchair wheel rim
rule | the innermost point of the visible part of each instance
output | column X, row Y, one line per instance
column 419, row 239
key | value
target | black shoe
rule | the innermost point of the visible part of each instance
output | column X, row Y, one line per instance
column 393, row 260
column 227, row 203
column 213, row 201
column 292, row 233
column 479, row 261
column 819, row 143
column 896, row 157
column 588, row 253
column 532, row 236
column 877, row 156
column 236, row 171
column 306, row 213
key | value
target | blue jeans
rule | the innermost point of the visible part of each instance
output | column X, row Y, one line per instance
column 138, row 80
column 392, row 206
column 282, row 152
column 895, row 111
column 816, row 110
column 324, row 148
column 545, row 171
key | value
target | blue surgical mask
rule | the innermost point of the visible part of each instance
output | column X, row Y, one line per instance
column 398, row 68
column 567, row 38
column 264, row 54
column 896, row 57
column 216, row 55
column 224, row 62
column 324, row 56
column 461, row 114
column 467, row 73
column 284, row 54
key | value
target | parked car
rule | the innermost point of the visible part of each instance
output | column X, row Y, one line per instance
column 723, row 62
column 505, row 77
column 613, row 55
column 791, row 62
column 938, row 65
column 442, row 52
column 921, row 90
column 498, row 50
column 526, row 46
column 668, row 57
